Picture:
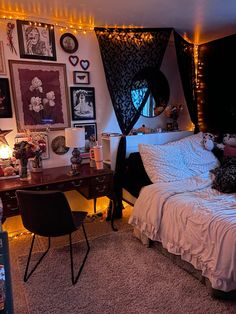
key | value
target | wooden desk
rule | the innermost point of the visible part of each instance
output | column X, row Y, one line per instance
column 91, row 183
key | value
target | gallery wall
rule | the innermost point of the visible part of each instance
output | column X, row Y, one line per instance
column 105, row 117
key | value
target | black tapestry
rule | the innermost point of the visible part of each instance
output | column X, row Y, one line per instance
column 124, row 53
column 217, row 75
column 185, row 59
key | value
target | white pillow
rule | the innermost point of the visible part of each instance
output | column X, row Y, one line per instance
column 163, row 163
column 196, row 158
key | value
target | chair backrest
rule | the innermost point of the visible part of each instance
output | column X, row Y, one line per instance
column 46, row 213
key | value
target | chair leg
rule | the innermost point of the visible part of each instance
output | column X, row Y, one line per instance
column 26, row 275
column 73, row 278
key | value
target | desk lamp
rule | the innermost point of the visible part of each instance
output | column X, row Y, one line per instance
column 75, row 138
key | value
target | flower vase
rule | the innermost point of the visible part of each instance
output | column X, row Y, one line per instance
column 37, row 164
column 23, row 170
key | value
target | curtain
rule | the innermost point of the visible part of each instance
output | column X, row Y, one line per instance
column 217, row 84
column 124, row 53
column 185, row 59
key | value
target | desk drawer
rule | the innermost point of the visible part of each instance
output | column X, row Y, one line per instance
column 65, row 186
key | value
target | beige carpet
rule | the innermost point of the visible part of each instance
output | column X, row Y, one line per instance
column 120, row 276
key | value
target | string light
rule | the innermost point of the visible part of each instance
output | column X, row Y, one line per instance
column 63, row 27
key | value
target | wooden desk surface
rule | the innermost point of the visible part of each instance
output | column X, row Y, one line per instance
column 50, row 176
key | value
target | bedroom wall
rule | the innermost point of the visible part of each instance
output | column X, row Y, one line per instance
column 105, row 117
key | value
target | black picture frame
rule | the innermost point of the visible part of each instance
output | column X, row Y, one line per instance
column 5, row 99
column 90, row 137
column 83, row 103
column 69, row 43
column 81, row 77
column 41, row 35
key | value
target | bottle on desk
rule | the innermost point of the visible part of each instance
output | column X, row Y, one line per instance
column 96, row 155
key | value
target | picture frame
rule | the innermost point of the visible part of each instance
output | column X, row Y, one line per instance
column 40, row 95
column 90, row 137
column 81, row 77
column 2, row 60
column 83, row 103
column 36, row 138
column 69, row 43
column 36, row 40
column 5, row 99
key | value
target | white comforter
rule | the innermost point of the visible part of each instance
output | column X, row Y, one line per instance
column 194, row 221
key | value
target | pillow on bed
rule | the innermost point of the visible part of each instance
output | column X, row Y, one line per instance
column 163, row 163
column 196, row 158
column 177, row 160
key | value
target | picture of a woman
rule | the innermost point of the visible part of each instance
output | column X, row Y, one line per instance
column 83, row 103
column 34, row 44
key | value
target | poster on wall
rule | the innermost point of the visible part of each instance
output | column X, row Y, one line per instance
column 5, row 99
column 83, row 103
column 40, row 95
column 36, row 41
column 90, row 137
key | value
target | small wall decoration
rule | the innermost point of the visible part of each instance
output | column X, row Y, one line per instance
column 90, row 137
column 81, row 77
column 40, row 95
column 73, row 60
column 5, row 99
column 2, row 60
column 83, row 103
column 36, row 41
column 84, row 64
column 37, row 138
column 69, row 43
column 58, row 145
column 10, row 28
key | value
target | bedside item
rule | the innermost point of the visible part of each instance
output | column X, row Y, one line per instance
column 96, row 154
column 75, row 138
column 69, row 43
column 58, row 145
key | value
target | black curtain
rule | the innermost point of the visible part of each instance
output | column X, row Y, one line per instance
column 185, row 59
column 218, row 63
column 124, row 53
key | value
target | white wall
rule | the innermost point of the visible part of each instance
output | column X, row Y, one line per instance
column 105, row 117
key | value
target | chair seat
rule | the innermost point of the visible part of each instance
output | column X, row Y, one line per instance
column 78, row 217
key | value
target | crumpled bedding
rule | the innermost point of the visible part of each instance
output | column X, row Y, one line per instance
column 195, row 221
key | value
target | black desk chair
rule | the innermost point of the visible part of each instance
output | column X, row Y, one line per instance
column 48, row 214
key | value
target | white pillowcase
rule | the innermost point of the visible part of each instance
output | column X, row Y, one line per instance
column 177, row 160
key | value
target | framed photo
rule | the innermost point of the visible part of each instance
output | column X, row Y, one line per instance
column 81, row 77
column 40, row 95
column 2, row 60
column 69, row 43
column 83, row 103
column 36, row 40
column 90, row 136
column 5, row 99
column 37, row 138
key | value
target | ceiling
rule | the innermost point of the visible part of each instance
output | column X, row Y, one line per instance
column 199, row 20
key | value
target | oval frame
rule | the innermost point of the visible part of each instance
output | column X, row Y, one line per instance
column 75, row 42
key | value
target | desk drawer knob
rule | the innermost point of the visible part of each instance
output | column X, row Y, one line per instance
column 77, row 183
column 101, row 189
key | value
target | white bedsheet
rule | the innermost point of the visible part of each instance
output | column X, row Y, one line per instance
column 194, row 221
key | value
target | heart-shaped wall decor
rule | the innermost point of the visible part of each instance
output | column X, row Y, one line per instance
column 73, row 60
column 84, row 64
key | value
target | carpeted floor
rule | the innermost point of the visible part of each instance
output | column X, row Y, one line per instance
column 120, row 276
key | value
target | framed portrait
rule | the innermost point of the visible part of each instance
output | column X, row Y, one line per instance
column 90, row 137
column 69, row 43
column 81, row 77
column 83, row 103
column 5, row 99
column 36, row 138
column 36, row 40
column 2, row 60
column 40, row 95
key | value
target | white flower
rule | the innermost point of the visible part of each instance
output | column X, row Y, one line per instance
column 35, row 104
column 50, row 99
column 36, row 84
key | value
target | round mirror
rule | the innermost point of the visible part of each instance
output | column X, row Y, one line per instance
column 150, row 92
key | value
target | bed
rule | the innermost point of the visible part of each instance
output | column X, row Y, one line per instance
column 179, row 208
